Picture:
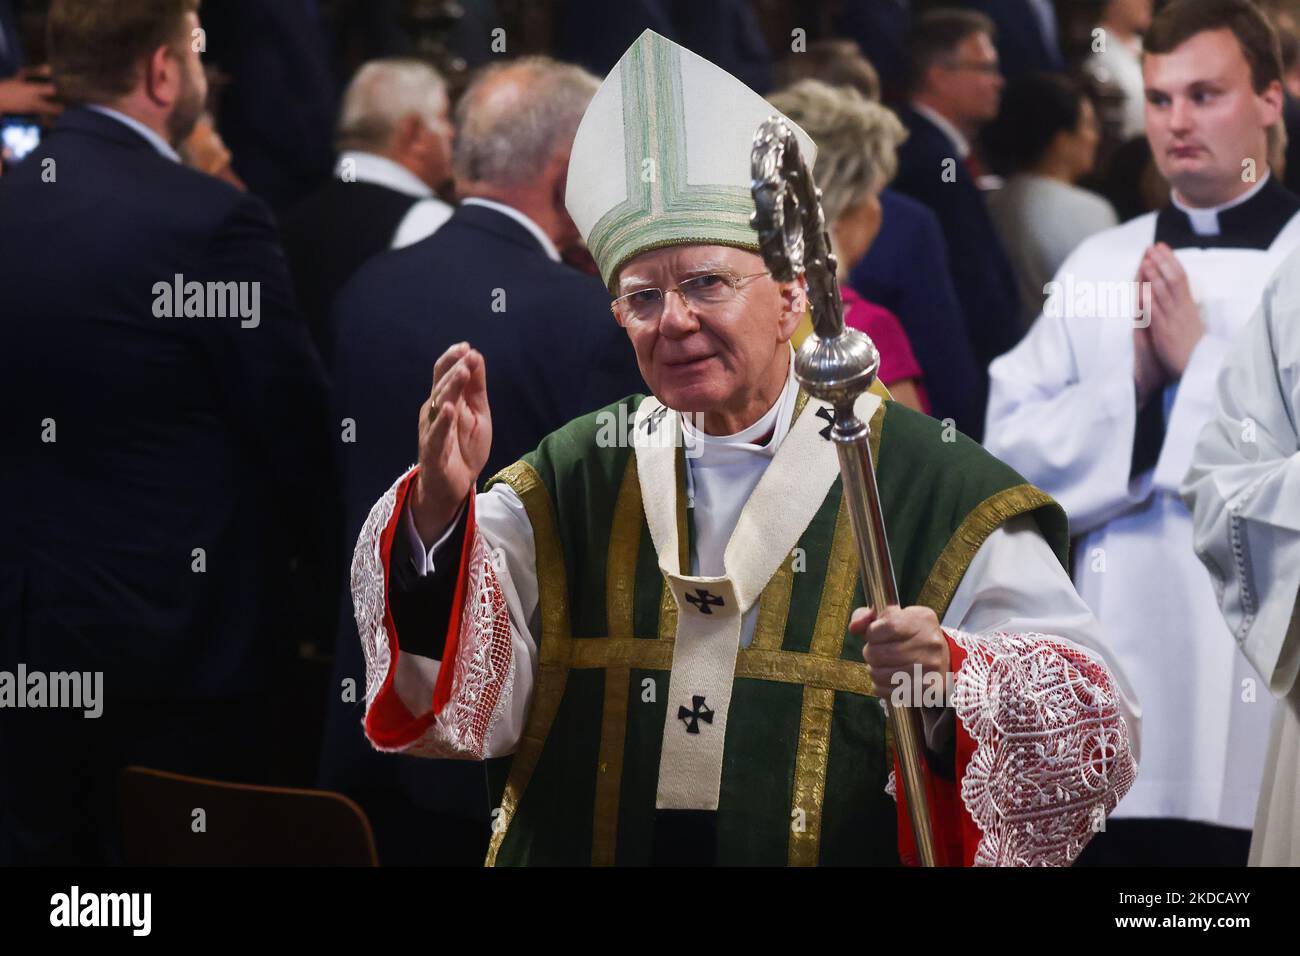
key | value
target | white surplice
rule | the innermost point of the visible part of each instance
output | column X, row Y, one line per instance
column 1062, row 411
column 1244, row 488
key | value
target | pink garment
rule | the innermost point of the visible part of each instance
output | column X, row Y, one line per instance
column 897, row 363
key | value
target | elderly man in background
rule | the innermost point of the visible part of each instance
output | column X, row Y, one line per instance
column 395, row 134
column 493, row 275
column 650, row 613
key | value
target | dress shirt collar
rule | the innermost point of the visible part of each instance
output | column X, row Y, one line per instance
column 1205, row 221
column 382, row 171
column 1252, row 221
column 542, row 238
column 156, row 141
column 946, row 127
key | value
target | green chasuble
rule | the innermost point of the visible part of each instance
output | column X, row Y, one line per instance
column 806, row 754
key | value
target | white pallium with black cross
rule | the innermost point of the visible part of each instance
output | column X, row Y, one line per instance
column 712, row 609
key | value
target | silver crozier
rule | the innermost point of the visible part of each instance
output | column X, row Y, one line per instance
column 836, row 365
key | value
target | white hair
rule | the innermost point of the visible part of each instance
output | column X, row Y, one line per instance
column 381, row 94
column 857, row 140
column 503, row 138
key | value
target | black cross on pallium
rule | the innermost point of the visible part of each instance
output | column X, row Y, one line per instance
column 694, row 714
column 704, row 601
column 651, row 421
column 828, row 416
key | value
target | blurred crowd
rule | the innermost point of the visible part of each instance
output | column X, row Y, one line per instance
column 393, row 182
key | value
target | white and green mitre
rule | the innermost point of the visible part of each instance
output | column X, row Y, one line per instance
column 661, row 157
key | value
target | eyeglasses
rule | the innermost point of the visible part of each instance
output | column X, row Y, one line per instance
column 699, row 293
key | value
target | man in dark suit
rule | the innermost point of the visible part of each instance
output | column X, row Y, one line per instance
column 164, row 438
column 906, row 270
column 492, row 276
column 395, row 132
column 1028, row 35
column 956, row 89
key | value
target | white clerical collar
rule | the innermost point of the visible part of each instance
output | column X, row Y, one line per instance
column 163, row 147
column 740, row 449
column 775, row 422
column 526, row 221
column 380, row 171
column 946, row 127
column 1205, row 221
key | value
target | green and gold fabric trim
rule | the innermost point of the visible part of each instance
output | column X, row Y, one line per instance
column 553, row 652
column 803, row 670
column 937, row 591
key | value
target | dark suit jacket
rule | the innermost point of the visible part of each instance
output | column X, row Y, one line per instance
column 906, row 271
column 553, row 353
column 329, row 235
column 595, row 33
column 981, row 273
column 880, row 29
column 277, row 115
column 1022, row 47
column 727, row 33
column 170, row 433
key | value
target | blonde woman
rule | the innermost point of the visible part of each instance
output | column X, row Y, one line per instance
column 856, row 143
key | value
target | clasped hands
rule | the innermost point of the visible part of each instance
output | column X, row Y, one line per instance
column 1163, row 348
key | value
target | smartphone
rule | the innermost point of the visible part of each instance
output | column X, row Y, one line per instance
column 19, row 136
